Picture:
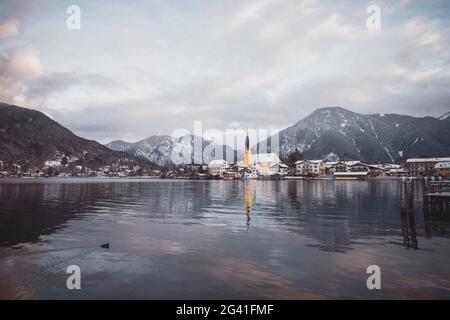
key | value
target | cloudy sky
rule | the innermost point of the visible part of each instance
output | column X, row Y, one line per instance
column 155, row 66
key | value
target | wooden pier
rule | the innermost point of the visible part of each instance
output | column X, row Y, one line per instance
column 437, row 195
column 436, row 207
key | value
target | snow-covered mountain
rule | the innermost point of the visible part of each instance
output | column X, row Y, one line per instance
column 331, row 133
column 166, row 150
column 335, row 131
column 445, row 116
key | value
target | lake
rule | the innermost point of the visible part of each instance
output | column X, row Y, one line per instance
column 186, row 239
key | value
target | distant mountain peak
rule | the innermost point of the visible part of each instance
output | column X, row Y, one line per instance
column 330, row 110
column 367, row 137
column 167, row 150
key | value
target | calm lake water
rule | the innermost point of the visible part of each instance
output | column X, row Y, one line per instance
column 218, row 239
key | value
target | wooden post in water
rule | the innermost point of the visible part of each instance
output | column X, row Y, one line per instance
column 403, row 214
column 411, row 215
column 437, row 196
column 407, row 214
column 426, row 213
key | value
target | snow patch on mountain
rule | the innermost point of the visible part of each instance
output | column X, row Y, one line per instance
column 166, row 150
column 389, row 154
column 445, row 116
column 371, row 138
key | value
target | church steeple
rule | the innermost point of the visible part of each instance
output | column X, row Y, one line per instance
column 247, row 142
column 247, row 153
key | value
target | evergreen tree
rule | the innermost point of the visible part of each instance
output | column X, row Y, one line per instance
column 293, row 157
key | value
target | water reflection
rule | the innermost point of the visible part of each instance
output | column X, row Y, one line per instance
column 31, row 211
column 248, row 199
column 335, row 214
column 436, row 222
column 314, row 237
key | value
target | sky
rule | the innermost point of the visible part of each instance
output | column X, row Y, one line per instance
column 155, row 66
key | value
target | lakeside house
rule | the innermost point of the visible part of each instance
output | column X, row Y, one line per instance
column 310, row 167
column 372, row 170
column 442, row 169
column 317, row 168
column 335, row 166
column 423, row 166
column 267, row 163
column 217, row 167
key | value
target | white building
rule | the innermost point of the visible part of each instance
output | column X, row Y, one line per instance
column 442, row 168
column 52, row 163
column 335, row 166
column 266, row 159
column 266, row 163
column 217, row 167
column 283, row 169
column 317, row 167
column 301, row 167
column 305, row 167
column 352, row 162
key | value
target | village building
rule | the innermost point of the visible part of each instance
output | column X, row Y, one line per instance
column 261, row 164
column 423, row 166
column 283, row 169
column 217, row 167
column 358, row 167
column 3, row 172
column 335, row 166
column 301, row 167
column 442, row 169
column 397, row 172
column 317, row 167
column 372, row 169
column 351, row 162
column 310, row 167
column 266, row 160
column 265, row 163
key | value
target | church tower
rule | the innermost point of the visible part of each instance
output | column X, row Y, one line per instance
column 248, row 161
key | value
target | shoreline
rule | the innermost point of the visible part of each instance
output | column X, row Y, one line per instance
column 10, row 180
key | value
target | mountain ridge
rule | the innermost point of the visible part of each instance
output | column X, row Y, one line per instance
column 336, row 132
column 30, row 138
column 167, row 151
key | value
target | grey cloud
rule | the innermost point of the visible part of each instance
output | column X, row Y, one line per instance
column 58, row 82
column 258, row 64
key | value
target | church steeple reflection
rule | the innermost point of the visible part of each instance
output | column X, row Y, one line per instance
column 248, row 200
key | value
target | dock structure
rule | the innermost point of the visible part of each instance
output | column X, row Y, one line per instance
column 437, row 195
